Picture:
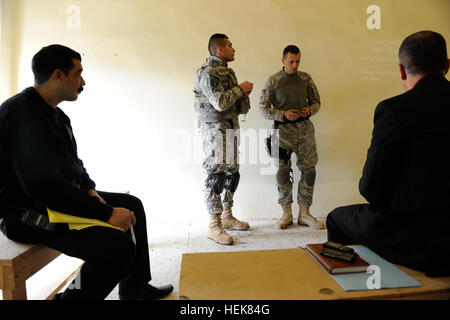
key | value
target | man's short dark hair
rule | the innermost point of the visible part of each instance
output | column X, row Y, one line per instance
column 290, row 49
column 217, row 39
column 423, row 52
column 50, row 58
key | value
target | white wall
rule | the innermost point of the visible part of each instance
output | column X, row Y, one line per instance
column 135, row 123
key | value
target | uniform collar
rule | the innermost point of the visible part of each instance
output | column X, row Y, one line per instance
column 213, row 60
column 286, row 75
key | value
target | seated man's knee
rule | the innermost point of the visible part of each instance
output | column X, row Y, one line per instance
column 336, row 231
column 330, row 220
column 131, row 202
column 331, row 217
column 135, row 205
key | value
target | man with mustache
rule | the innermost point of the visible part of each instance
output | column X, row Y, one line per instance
column 40, row 169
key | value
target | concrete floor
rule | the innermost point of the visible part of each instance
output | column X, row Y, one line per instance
column 168, row 242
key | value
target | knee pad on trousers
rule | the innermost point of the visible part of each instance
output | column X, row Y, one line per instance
column 232, row 182
column 216, row 181
column 283, row 175
column 309, row 176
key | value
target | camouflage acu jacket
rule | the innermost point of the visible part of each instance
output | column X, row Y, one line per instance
column 217, row 93
column 284, row 91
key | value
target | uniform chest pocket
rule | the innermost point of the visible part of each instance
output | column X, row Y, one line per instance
column 228, row 80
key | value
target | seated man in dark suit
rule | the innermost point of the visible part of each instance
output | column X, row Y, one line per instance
column 40, row 169
column 406, row 177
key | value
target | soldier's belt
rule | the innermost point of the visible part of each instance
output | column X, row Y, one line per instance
column 277, row 123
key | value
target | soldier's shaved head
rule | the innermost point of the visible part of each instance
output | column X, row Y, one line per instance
column 217, row 39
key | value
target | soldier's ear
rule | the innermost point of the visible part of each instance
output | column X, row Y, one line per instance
column 219, row 51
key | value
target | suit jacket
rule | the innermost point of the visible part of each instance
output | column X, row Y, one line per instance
column 406, row 176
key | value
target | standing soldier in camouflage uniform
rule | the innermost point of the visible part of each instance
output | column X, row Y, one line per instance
column 219, row 100
column 290, row 98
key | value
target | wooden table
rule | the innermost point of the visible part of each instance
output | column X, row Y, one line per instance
column 285, row 274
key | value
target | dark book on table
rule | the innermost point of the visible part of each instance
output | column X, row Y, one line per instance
column 333, row 265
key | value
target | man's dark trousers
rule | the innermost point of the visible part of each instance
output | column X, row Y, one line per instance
column 110, row 255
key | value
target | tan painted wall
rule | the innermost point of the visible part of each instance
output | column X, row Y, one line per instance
column 135, row 121
column 8, row 43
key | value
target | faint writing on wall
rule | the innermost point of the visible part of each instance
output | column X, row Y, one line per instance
column 74, row 18
column 379, row 62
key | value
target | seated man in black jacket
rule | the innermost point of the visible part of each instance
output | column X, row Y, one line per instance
column 40, row 169
column 407, row 171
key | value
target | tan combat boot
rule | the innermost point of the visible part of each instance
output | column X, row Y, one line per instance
column 230, row 222
column 287, row 219
column 306, row 219
column 216, row 232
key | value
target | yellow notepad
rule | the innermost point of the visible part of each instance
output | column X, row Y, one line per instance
column 77, row 223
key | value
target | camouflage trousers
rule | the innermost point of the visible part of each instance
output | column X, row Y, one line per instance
column 298, row 138
column 220, row 147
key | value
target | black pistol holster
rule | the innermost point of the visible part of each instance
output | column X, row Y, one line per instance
column 272, row 144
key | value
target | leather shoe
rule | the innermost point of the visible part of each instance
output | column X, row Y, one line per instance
column 57, row 297
column 148, row 292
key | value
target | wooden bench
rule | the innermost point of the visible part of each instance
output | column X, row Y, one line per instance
column 19, row 262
